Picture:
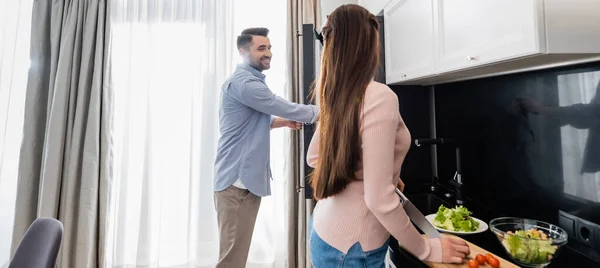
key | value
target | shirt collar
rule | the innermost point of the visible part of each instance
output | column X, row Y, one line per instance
column 252, row 70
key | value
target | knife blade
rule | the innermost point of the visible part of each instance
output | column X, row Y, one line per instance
column 417, row 217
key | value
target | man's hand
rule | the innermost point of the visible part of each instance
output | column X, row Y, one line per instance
column 293, row 124
column 280, row 122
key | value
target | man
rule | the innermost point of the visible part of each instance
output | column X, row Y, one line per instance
column 248, row 111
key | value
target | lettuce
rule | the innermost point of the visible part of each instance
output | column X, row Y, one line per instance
column 457, row 219
column 533, row 251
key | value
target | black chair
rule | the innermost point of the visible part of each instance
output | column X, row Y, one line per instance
column 39, row 246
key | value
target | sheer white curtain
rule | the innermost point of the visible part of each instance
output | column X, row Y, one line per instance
column 169, row 58
column 15, row 32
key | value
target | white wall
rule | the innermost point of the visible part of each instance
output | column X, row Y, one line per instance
column 374, row 6
column 328, row 6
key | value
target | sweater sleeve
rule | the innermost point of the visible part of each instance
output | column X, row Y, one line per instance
column 381, row 123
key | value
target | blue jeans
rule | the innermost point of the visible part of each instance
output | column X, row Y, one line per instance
column 325, row 256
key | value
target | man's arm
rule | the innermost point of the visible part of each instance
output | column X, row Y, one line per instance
column 280, row 122
column 256, row 95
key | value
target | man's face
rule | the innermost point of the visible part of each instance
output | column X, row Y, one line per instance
column 259, row 55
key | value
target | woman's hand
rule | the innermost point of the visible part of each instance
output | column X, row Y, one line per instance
column 454, row 250
column 400, row 185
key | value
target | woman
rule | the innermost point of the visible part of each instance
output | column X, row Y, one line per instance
column 357, row 152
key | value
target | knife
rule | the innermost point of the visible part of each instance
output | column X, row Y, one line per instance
column 417, row 217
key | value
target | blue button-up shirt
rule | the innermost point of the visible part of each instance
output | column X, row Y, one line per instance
column 245, row 117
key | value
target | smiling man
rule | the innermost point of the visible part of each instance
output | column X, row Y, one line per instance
column 242, row 173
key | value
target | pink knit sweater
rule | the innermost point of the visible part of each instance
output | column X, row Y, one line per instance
column 369, row 210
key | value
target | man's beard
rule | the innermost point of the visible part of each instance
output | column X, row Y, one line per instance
column 259, row 64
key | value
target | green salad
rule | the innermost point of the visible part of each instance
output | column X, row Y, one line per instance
column 535, row 251
column 456, row 219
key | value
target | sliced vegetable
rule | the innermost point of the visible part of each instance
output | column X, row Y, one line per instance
column 456, row 219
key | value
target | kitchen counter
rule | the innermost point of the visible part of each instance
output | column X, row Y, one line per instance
column 428, row 202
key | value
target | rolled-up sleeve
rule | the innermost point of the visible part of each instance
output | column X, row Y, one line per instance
column 256, row 95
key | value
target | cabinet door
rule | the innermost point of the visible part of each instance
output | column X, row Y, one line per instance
column 409, row 44
column 476, row 32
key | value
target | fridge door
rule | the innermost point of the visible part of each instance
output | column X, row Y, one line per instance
column 310, row 52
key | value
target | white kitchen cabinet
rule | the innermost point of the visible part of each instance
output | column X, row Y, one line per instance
column 473, row 38
column 475, row 32
column 409, row 42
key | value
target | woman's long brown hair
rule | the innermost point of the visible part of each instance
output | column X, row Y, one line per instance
column 349, row 61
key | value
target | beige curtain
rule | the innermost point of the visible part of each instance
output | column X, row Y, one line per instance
column 300, row 12
column 64, row 149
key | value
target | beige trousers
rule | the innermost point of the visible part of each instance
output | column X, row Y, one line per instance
column 236, row 215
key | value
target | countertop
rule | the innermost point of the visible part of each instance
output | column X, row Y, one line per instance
column 428, row 202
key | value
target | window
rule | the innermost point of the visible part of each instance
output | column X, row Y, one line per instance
column 15, row 18
column 168, row 63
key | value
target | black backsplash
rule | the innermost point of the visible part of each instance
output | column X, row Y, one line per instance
column 530, row 142
column 415, row 111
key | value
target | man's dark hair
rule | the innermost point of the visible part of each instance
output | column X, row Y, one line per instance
column 245, row 39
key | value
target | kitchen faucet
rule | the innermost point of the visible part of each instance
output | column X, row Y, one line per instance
column 456, row 181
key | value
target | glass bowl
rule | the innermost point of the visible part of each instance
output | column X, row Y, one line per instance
column 530, row 243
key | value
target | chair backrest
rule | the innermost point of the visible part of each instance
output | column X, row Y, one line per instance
column 39, row 246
